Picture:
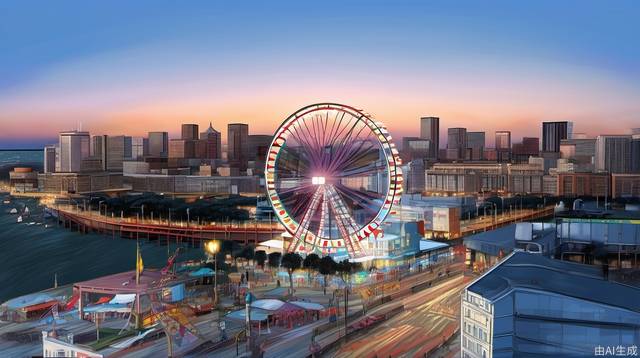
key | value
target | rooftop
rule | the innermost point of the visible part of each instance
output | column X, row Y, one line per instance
column 125, row 282
column 523, row 270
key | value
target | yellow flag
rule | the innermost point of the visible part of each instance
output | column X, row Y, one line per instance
column 139, row 264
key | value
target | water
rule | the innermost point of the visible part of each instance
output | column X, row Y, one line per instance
column 31, row 255
column 13, row 158
column 21, row 156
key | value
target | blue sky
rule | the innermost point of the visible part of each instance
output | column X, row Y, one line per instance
column 125, row 67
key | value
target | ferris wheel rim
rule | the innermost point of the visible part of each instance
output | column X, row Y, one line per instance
column 392, row 169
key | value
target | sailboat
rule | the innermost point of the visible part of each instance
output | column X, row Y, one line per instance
column 26, row 211
column 13, row 211
column 19, row 219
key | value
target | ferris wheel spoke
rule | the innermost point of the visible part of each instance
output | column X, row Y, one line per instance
column 361, row 170
column 358, row 154
column 359, row 197
column 345, row 148
column 304, row 144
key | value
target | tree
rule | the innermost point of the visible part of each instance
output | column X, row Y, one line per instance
column 247, row 253
column 311, row 263
column 261, row 257
column 326, row 267
column 346, row 268
column 274, row 259
column 291, row 261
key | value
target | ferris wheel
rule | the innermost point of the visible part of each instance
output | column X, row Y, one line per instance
column 332, row 176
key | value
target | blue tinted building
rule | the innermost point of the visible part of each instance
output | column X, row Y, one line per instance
column 533, row 306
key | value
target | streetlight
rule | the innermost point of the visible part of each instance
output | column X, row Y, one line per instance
column 213, row 247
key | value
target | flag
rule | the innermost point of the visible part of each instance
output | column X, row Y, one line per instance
column 139, row 264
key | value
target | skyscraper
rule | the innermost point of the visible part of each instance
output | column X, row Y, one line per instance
column 456, row 143
column 182, row 149
column 238, row 145
column 530, row 147
column 503, row 145
column 415, row 148
column 118, row 148
column 613, row 153
column 139, row 148
column 475, row 143
column 430, row 129
column 50, row 159
column 553, row 133
column 189, row 132
column 158, row 144
column 635, row 153
column 213, row 140
column 74, row 146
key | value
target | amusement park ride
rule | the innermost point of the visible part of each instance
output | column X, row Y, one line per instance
column 332, row 175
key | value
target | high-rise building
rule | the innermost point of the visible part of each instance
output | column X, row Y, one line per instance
column 532, row 306
column 613, row 153
column 475, row 144
column 503, row 145
column 182, row 149
column 579, row 152
column 158, row 144
column 119, row 148
column 258, row 147
column 530, row 147
column 139, row 148
column 74, row 146
column 415, row 148
column 456, row 143
column 238, row 145
column 189, row 132
column 430, row 129
column 50, row 159
column 213, row 139
column 553, row 133
column 635, row 152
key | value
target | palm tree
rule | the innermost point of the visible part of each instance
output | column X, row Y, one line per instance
column 291, row 261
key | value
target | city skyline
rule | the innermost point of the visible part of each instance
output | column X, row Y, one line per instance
column 184, row 64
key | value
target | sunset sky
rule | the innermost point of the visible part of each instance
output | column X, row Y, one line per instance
column 115, row 67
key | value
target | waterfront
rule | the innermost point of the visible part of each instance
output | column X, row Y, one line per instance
column 32, row 255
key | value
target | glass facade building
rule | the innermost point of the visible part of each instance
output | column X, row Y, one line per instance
column 530, row 305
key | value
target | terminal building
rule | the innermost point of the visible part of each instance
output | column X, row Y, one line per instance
column 533, row 306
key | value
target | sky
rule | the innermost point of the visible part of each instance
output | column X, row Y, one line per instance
column 124, row 67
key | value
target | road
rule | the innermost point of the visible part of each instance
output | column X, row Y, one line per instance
column 429, row 316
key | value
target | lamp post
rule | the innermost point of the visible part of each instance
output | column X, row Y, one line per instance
column 213, row 247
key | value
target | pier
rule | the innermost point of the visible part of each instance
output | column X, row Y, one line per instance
column 191, row 233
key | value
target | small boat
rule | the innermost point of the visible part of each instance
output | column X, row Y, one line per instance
column 19, row 219
column 31, row 223
column 6, row 201
column 13, row 211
